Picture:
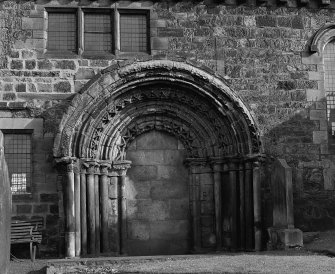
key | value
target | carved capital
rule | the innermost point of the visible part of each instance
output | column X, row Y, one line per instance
column 217, row 163
column 121, row 167
column 66, row 164
column 90, row 166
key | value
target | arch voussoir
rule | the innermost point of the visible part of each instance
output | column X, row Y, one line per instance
column 208, row 98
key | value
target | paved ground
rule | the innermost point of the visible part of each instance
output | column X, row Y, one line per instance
column 292, row 261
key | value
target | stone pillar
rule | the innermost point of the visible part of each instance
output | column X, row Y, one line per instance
column 257, row 205
column 233, row 197
column 283, row 233
column 217, row 169
column 194, row 185
column 70, row 237
column 121, row 168
column 242, row 205
column 83, row 211
column 91, row 205
column 114, row 212
column 97, row 208
column 249, row 205
column 104, row 206
column 77, row 191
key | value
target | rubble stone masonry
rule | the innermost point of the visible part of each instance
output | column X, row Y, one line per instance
column 261, row 50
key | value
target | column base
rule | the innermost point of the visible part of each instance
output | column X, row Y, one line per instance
column 282, row 238
column 70, row 244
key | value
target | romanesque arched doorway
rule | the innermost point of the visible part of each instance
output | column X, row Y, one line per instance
column 182, row 100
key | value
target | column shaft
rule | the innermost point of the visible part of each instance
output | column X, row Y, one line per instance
column 233, row 197
column 123, row 204
column 77, row 212
column 91, row 211
column 196, row 211
column 257, row 206
column 83, row 214
column 70, row 213
column 97, row 214
column 218, row 206
column 114, row 195
column 104, row 210
column 242, row 207
column 249, row 213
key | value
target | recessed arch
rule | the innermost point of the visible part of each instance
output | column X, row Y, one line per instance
column 120, row 94
column 322, row 37
column 186, row 100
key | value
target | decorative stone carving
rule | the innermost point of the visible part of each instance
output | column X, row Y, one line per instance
column 206, row 95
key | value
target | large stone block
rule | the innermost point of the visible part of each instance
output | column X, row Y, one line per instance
column 168, row 189
column 159, row 43
column 167, row 247
column 179, row 209
column 138, row 230
column 33, row 23
column 146, row 157
column 174, row 157
column 140, row 190
column 63, row 87
column 169, row 230
column 159, row 210
column 320, row 137
column 285, row 238
column 156, row 140
column 23, row 209
column 138, row 248
column 178, row 173
column 142, row 173
column 316, row 114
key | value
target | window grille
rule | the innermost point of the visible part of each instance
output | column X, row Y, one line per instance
column 329, row 64
column 18, row 158
column 62, row 31
column 97, row 32
column 133, row 33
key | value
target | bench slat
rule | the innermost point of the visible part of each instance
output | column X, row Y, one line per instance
column 26, row 231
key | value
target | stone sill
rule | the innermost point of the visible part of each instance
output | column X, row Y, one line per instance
column 72, row 55
column 13, row 105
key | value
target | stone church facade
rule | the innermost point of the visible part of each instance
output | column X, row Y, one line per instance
column 150, row 127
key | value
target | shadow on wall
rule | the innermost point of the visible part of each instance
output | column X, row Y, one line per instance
column 313, row 186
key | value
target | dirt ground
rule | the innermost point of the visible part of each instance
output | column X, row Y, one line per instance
column 317, row 256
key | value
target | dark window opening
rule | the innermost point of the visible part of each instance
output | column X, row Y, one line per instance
column 97, row 33
column 18, row 158
column 62, row 31
column 133, row 32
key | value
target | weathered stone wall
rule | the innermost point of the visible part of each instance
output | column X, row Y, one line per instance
column 261, row 51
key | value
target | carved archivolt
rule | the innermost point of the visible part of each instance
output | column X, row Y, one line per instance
column 178, row 98
column 322, row 37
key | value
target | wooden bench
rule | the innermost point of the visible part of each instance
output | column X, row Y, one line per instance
column 27, row 232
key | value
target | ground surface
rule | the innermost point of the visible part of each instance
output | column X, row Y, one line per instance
column 292, row 261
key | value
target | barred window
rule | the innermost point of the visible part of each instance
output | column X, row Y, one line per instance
column 97, row 32
column 18, row 158
column 91, row 31
column 133, row 32
column 62, row 31
column 329, row 63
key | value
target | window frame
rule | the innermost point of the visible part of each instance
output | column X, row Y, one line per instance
column 77, row 32
column 146, row 13
column 22, row 132
column 115, row 25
